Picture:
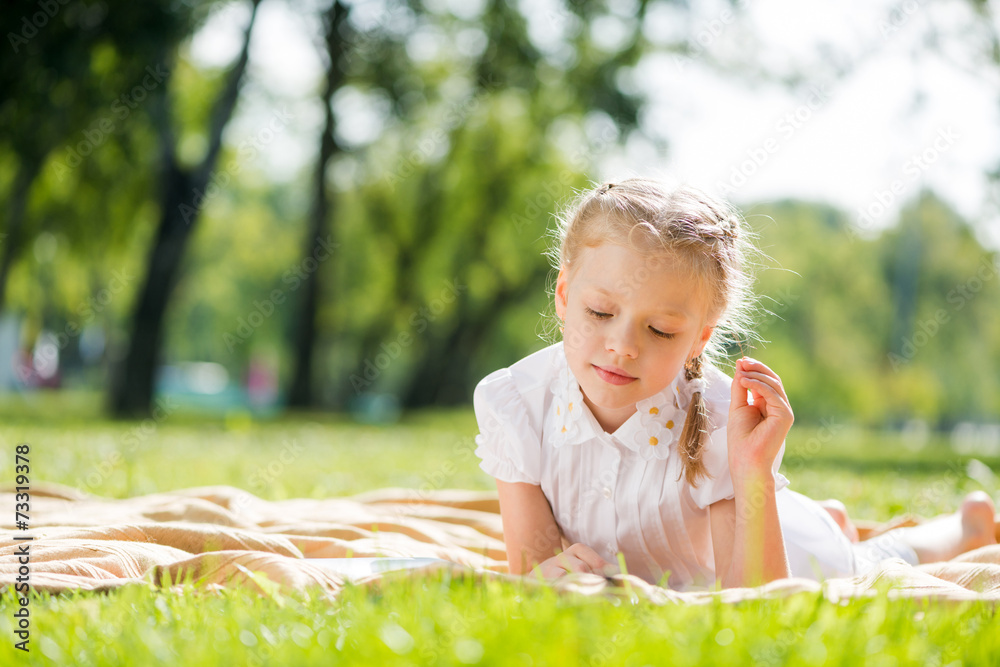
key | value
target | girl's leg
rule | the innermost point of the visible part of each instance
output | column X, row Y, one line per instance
column 947, row 536
column 974, row 525
column 838, row 511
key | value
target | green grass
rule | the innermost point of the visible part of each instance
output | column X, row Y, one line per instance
column 441, row 619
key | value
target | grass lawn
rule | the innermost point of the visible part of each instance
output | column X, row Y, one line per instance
column 443, row 620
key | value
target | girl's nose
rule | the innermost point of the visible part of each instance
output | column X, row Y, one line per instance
column 621, row 340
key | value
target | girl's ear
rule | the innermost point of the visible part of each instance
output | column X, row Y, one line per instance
column 702, row 341
column 562, row 293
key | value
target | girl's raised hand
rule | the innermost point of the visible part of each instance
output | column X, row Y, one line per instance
column 577, row 558
column 756, row 430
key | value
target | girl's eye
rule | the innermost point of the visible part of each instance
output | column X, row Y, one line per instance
column 595, row 313
column 661, row 334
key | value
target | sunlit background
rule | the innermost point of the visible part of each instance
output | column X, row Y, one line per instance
column 861, row 139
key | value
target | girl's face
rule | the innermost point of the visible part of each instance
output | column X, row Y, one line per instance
column 630, row 322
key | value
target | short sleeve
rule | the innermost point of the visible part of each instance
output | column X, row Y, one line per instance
column 508, row 444
column 719, row 484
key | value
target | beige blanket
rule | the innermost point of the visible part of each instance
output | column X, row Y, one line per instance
column 223, row 536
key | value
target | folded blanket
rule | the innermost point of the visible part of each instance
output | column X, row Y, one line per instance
column 223, row 536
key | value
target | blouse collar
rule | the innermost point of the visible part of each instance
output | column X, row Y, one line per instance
column 650, row 432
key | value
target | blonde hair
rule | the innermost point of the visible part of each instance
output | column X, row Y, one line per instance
column 689, row 225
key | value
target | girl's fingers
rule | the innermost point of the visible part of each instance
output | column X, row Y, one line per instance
column 557, row 566
column 737, row 392
column 748, row 364
column 577, row 558
column 753, row 369
column 770, row 396
column 772, row 381
column 753, row 366
column 571, row 564
column 587, row 556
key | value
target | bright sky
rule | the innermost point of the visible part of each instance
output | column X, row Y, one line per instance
column 848, row 140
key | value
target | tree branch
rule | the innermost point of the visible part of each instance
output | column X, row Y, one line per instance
column 159, row 113
column 224, row 106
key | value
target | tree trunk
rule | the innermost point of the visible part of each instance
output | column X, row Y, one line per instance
column 300, row 392
column 438, row 380
column 134, row 376
column 134, row 381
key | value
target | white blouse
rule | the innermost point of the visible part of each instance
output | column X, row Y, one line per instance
column 621, row 492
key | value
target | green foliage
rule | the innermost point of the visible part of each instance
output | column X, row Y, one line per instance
column 243, row 265
column 476, row 220
column 69, row 108
column 440, row 222
column 884, row 329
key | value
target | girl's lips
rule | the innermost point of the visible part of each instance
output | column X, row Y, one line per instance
column 613, row 375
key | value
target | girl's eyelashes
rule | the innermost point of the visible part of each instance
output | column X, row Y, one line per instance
column 596, row 313
column 603, row 316
column 661, row 334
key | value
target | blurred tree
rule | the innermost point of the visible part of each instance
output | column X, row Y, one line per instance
column 845, row 346
column 62, row 87
column 451, row 132
column 823, row 319
column 181, row 199
column 934, row 362
column 337, row 34
column 434, row 72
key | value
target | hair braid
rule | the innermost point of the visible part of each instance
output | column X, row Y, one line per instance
column 691, row 445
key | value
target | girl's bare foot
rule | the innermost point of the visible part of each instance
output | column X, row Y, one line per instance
column 978, row 522
column 836, row 509
column 947, row 536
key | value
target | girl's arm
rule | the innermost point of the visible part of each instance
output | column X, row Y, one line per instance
column 529, row 528
column 748, row 544
column 749, row 547
column 532, row 536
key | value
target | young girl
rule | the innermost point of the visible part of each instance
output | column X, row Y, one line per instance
column 625, row 438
